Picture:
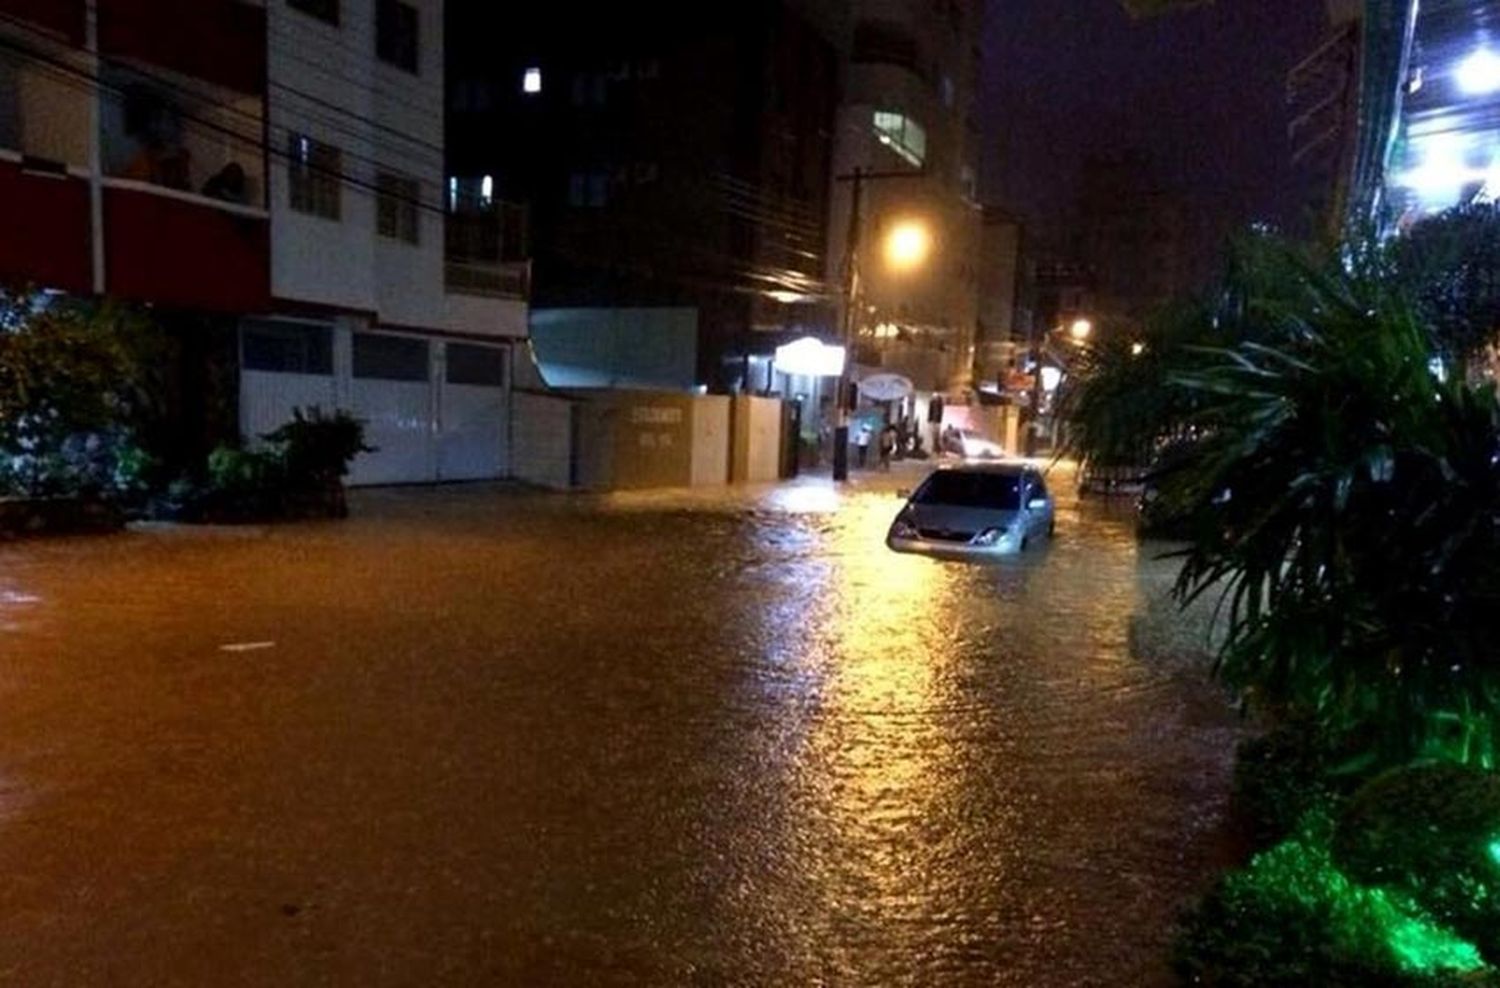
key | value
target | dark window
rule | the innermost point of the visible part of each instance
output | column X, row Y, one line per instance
column 396, row 33
column 323, row 10
column 390, row 358
column 469, row 364
column 884, row 42
column 971, row 489
column 287, row 347
column 315, row 179
column 396, row 200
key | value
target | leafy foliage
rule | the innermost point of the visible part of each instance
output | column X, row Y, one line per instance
column 297, row 472
column 1292, row 918
column 1345, row 503
column 1429, row 831
column 75, row 380
column 1450, row 266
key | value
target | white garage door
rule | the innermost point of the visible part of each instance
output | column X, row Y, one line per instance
column 472, row 414
column 432, row 411
column 391, row 391
column 283, row 365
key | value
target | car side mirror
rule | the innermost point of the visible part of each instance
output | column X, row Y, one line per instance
column 1036, row 504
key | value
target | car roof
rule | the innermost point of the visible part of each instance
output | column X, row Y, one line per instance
column 1011, row 469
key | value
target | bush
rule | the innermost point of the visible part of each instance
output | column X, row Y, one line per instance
column 1293, row 770
column 297, row 472
column 316, row 447
column 73, row 385
column 1432, row 832
column 1291, row 918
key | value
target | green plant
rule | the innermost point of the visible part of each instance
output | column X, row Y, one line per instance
column 1450, row 265
column 1292, row 918
column 1345, row 504
column 1295, row 769
column 317, row 447
column 1432, row 832
column 75, row 380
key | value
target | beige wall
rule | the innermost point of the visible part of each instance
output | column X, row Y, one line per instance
column 543, row 439
column 757, row 440
column 711, row 440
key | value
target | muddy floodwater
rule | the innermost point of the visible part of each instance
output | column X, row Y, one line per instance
column 481, row 737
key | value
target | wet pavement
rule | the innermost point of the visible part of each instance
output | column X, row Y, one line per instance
column 479, row 737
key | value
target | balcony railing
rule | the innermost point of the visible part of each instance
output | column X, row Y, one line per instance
column 494, row 280
column 485, row 251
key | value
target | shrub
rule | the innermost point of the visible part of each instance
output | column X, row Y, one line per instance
column 317, row 447
column 1292, row 918
column 1431, row 831
column 74, row 381
column 1291, row 771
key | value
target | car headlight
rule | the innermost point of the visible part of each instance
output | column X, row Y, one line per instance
column 903, row 529
column 990, row 536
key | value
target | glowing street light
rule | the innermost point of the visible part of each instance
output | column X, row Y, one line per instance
column 907, row 245
column 1080, row 330
column 1479, row 74
column 1137, row 348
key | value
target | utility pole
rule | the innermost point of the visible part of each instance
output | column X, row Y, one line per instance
column 857, row 180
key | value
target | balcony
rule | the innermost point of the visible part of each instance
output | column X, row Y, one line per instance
column 222, row 42
column 485, row 250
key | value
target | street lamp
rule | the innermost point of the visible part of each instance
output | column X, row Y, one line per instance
column 913, row 245
column 1080, row 330
column 907, row 245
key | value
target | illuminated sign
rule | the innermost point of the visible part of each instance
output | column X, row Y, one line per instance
column 810, row 357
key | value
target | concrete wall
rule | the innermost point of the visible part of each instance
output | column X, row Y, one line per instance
column 542, row 439
column 711, row 440
column 756, row 456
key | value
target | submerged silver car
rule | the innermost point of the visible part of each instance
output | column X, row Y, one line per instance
column 975, row 511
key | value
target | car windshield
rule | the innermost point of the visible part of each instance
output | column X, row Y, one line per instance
column 971, row 489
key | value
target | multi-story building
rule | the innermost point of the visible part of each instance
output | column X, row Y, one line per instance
column 673, row 162
column 1135, row 236
column 270, row 180
column 1004, row 319
column 909, row 106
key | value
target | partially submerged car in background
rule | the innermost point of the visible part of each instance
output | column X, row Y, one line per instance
column 975, row 511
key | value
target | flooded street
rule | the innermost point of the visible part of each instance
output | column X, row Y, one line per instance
column 479, row 737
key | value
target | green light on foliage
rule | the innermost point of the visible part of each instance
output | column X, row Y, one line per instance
column 1365, row 921
column 1420, row 945
column 1494, row 850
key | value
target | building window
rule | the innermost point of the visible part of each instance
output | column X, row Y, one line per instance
column 531, row 81
column 397, row 199
column 902, row 135
column 481, row 365
column 286, row 347
column 323, row 10
column 396, row 33
column 315, row 176
column 389, row 358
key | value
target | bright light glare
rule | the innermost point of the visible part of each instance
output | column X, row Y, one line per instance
column 810, row 357
column 907, row 245
column 1080, row 329
column 531, row 81
column 1137, row 348
column 1479, row 73
column 1051, row 378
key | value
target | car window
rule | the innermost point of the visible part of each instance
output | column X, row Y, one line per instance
column 971, row 489
column 1038, row 487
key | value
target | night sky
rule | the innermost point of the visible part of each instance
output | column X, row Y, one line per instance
column 1201, row 91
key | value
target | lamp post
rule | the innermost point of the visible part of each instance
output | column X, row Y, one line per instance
column 906, row 248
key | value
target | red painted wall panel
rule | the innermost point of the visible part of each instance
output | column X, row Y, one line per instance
column 221, row 41
column 65, row 17
column 44, row 238
column 174, row 252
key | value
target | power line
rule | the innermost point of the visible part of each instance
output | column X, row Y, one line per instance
column 169, row 83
